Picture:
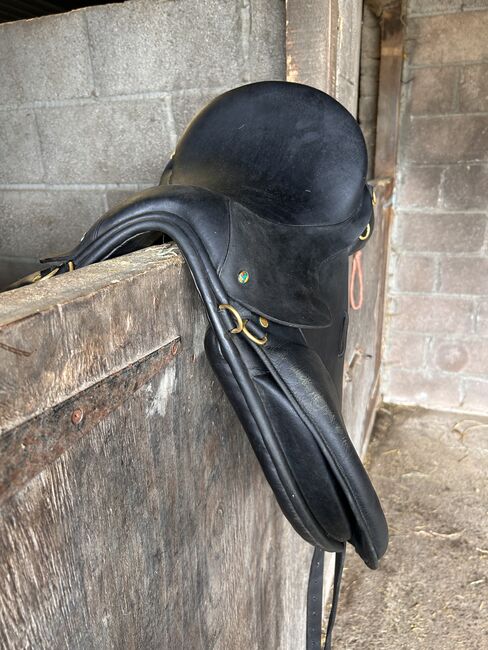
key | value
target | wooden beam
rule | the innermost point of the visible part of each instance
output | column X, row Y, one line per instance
column 387, row 129
column 391, row 63
column 311, row 43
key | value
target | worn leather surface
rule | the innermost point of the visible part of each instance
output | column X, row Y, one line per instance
column 270, row 179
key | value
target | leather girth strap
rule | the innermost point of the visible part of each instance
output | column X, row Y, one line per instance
column 315, row 597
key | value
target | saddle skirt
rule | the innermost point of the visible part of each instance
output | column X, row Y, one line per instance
column 266, row 197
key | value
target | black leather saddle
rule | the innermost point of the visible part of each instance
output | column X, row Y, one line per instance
column 266, row 197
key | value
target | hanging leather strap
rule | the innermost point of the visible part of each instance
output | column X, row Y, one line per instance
column 315, row 597
column 356, row 276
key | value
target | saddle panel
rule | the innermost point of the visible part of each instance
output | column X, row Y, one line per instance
column 307, row 385
column 297, row 511
column 303, row 404
column 301, row 456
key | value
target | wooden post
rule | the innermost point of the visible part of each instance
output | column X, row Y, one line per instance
column 311, row 43
column 387, row 128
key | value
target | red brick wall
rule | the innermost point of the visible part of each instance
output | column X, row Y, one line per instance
column 436, row 344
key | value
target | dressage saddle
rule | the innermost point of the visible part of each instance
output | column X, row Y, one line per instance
column 266, row 198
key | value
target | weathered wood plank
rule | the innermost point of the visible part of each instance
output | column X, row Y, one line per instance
column 62, row 335
column 155, row 529
column 391, row 64
column 368, row 324
column 349, row 14
column 311, row 43
column 363, row 354
column 29, row 448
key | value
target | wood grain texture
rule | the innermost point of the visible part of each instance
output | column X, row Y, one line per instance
column 156, row 529
column 29, row 448
column 311, row 42
column 391, row 63
column 349, row 19
column 62, row 335
column 363, row 353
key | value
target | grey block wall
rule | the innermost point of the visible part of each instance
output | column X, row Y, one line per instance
column 92, row 103
column 436, row 344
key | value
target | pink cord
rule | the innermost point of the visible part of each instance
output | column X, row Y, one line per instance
column 357, row 270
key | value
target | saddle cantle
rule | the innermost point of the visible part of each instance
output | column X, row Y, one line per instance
column 266, row 197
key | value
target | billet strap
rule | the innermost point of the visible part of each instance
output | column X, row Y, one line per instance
column 315, row 597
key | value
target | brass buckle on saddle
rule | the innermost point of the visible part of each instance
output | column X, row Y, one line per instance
column 366, row 233
column 241, row 323
column 38, row 276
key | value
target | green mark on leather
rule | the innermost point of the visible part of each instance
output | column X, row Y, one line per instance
column 243, row 277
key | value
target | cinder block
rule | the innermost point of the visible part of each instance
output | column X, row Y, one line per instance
column 468, row 356
column 482, row 318
column 448, row 38
column 148, row 46
column 368, row 110
column 44, row 59
column 368, row 77
column 473, row 88
column 464, row 275
column 475, row 395
column 114, row 197
column 418, row 187
column 433, row 90
column 422, row 388
column 456, row 233
column 20, row 158
column 415, row 273
column 432, row 315
column 267, row 40
column 106, row 142
column 46, row 222
column 464, row 187
column 405, row 350
column 450, row 356
column 442, row 6
column 370, row 34
column 447, row 139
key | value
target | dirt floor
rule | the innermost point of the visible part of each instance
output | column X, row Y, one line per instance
column 431, row 590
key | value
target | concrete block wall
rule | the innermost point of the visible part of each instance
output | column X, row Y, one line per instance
column 92, row 103
column 436, row 348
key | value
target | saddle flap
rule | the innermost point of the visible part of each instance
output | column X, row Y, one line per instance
column 305, row 382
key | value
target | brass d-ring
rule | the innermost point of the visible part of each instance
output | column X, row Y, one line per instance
column 253, row 338
column 366, row 233
column 240, row 323
column 50, row 274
